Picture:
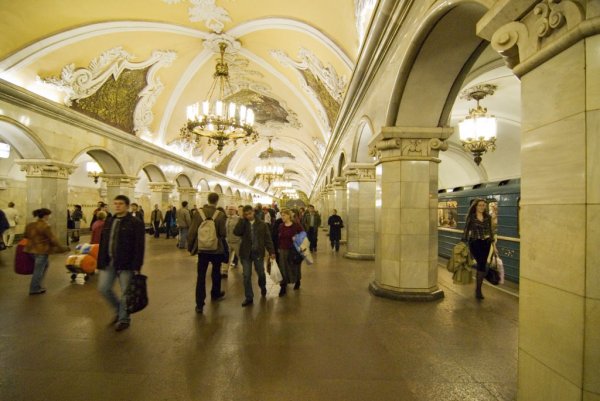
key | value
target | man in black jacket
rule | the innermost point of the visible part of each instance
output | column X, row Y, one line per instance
column 214, row 257
column 256, row 237
column 121, row 254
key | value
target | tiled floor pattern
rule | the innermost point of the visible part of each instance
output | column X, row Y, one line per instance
column 331, row 340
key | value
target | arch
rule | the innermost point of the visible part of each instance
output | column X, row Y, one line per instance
column 360, row 147
column 218, row 189
column 153, row 172
column 237, row 194
column 203, row 185
column 22, row 139
column 341, row 164
column 448, row 38
column 183, row 181
column 107, row 161
column 331, row 175
column 229, row 191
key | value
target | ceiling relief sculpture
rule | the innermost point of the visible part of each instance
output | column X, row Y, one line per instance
column 224, row 164
column 114, row 88
column 276, row 154
column 322, row 83
column 207, row 11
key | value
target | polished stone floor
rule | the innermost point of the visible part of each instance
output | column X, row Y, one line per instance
column 331, row 340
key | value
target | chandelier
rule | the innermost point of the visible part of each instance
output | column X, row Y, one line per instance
column 269, row 171
column 94, row 171
column 478, row 129
column 216, row 120
column 281, row 184
column 290, row 193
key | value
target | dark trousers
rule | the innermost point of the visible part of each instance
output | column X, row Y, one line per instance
column 203, row 260
column 335, row 243
column 156, row 228
column 312, row 237
column 480, row 249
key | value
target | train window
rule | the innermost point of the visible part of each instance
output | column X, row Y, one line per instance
column 448, row 214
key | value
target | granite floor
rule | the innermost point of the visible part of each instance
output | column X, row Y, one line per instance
column 331, row 340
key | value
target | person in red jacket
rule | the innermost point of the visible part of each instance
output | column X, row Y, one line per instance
column 97, row 227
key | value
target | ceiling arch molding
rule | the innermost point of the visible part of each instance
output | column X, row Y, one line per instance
column 21, row 138
column 248, row 27
column 33, row 52
column 341, row 164
column 203, row 185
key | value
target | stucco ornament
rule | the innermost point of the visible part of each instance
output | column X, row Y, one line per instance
column 207, row 11
column 80, row 83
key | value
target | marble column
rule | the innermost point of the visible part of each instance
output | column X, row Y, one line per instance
column 406, row 255
column 118, row 184
column 554, row 48
column 202, row 198
column 341, row 202
column 360, row 219
column 325, row 211
column 47, row 188
column 161, row 194
column 187, row 194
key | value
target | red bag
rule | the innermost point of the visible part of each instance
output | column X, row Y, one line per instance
column 24, row 262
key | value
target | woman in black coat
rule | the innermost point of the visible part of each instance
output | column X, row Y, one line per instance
column 335, row 230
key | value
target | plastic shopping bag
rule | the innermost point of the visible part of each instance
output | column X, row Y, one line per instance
column 500, row 268
column 275, row 272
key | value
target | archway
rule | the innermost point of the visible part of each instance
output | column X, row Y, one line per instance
column 341, row 164
column 360, row 148
column 183, row 181
column 153, row 172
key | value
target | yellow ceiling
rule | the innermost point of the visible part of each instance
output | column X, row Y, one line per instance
column 27, row 22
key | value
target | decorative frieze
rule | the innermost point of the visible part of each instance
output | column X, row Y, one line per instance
column 119, row 180
column 410, row 143
column 46, row 168
column 187, row 190
column 162, row 187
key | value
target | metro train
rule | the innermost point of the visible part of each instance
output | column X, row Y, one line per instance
column 503, row 198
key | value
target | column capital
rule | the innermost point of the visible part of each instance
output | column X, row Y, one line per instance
column 161, row 186
column 46, row 168
column 187, row 190
column 409, row 143
column 359, row 172
column 119, row 180
column 527, row 33
column 339, row 183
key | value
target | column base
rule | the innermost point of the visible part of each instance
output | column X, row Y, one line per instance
column 379, row 291
column 359, row 256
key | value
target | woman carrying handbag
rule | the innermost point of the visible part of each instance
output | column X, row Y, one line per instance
column 479, row 235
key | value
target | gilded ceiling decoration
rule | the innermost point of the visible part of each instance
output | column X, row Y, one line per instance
column 82, row 83
column 266, row 109
column 224, row 164
column 114, row 102
column 207, row 11
column 321, row 82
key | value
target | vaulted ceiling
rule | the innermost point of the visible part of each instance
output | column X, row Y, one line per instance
column 290, row 60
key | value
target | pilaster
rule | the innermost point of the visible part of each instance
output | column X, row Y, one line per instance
column 187, row 194
column 161, row 194
column 341, row 203
column 406, row 206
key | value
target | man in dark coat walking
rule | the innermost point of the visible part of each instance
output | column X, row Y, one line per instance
column 335, row 230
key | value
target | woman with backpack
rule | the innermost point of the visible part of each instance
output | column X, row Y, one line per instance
column 289, row 264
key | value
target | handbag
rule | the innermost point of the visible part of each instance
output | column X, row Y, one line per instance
column 275, row 272
column 294, row 257
column 136, row 294
column 24, row 262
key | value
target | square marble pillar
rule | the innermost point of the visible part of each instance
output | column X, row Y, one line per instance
column 47, row 188
column 559, row 306
column 118, row 184
column 406, row 198
column 161, row 194
column 202, row 198
column 188, row 195
column 360, row 218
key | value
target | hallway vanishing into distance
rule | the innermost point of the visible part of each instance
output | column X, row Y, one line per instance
column 331, row 340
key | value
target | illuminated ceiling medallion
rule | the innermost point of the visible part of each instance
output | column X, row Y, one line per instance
column 478, row 130
column 269, row 171
column 216, row 120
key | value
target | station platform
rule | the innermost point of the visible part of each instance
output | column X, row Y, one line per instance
column 331, row 340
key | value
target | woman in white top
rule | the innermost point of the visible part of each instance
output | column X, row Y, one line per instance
column 13, row 219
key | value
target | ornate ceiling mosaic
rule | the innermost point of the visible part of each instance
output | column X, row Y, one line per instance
column 112, row 88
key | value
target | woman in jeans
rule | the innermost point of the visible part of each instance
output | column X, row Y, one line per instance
column 289, row 270
column 41, row 243
column 480, row 237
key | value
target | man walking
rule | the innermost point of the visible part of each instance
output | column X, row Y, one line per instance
column 121, row 253
column 232, row 240
column 311, row 222
column 205, row 238
column 12, row 216
column 184, row 220
column 156, row 217
column 256, row 237
column 135, row 212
